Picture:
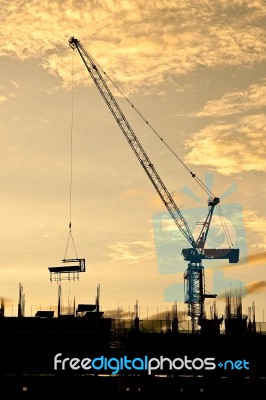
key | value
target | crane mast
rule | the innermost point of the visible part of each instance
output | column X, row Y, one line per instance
column 194, row 275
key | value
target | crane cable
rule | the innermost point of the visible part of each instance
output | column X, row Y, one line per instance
column 197, row 179
column 225, row 228
column 70, row 236
column 200, row 183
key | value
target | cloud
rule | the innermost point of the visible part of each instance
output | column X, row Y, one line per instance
column 8, row 93
column 254, row 259
column 256, row 224
column 132, row 252
column 236, row 102
column 3, row 99
column 165, row 315
column 251, row 260
column 119, row 313
column 14, row 84
column 252, row 287
column 144, row 44
column 255, row 287
column 222, row 146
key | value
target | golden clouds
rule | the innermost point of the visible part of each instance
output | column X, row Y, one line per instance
column 237, row 144
column 3, row 99
column 236, row 102
column 8, row 91
column 256, row 224
column 138, row 43
column 231, row 148
column 255, row 287
column 132, row 252
column 252, row 260
column 249, row 288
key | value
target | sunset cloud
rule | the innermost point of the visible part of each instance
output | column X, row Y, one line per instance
column 252, row 287
column 14, row 84
column 222, row 146
column 252, row 260
column 255, row 287
column 3, row 99
column 144, row 45
column 132, row 252
column 236, row 102
column 256, row 224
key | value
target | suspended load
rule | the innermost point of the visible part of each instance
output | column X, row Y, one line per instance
column 69, row 271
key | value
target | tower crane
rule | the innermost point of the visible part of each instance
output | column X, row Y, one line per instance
column 195, row 293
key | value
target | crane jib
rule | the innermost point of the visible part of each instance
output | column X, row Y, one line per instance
column 134, row 142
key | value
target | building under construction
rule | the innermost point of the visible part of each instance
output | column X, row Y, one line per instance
column 133, row 357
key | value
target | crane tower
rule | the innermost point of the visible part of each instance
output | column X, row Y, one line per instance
column 195, row 293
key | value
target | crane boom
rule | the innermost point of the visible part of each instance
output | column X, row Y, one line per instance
column 134, row 142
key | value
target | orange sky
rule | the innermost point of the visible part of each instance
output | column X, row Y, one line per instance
column 196, row 71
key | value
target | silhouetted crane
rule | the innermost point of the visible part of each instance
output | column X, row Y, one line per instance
column 195, row 293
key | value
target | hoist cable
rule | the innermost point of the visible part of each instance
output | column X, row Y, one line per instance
column 72, row 239
column 71, row 166
column 71, row 144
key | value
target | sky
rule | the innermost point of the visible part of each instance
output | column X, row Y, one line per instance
column 195, row 71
